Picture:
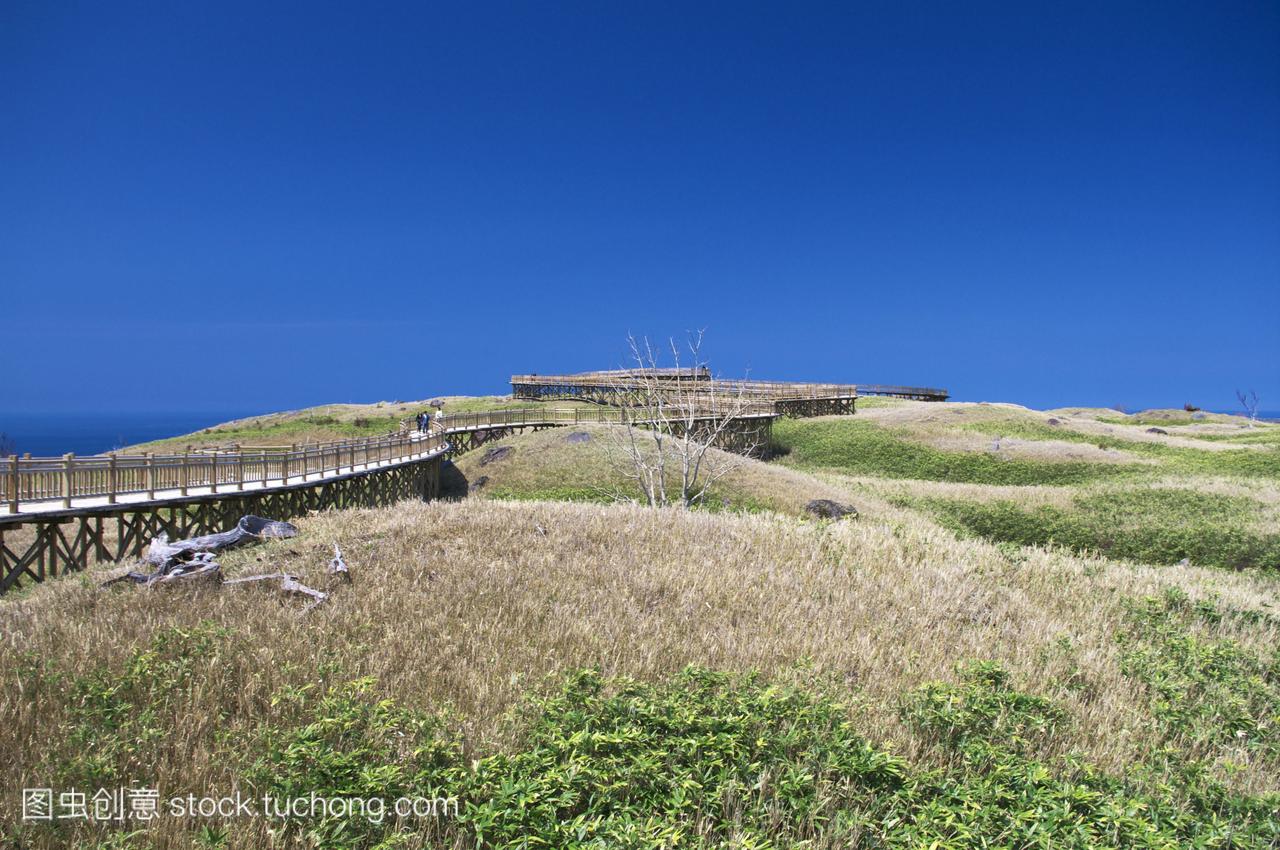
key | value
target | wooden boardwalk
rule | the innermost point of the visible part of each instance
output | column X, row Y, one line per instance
column 61, row 514
column 47, row 485
column 803, row 398
column 752, row 423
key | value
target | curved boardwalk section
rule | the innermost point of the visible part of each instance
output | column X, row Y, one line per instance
column 60, row 514
column 790, row 398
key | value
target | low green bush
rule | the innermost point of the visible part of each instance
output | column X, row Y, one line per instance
column 863, row 448
column 355, row 746
column 995, row 793
column 981, row 707
column 1245, row 462
column 1151, row 525
column 120, row 719
column 707, row 759
column 1204, row 691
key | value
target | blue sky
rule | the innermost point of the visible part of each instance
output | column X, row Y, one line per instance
column 260, row 206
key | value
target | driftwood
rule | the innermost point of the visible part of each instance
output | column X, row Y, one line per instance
column 202, row 566
column 248, row 530
column 289, row 585
column 338, row 566
column 196, row 565
column 194, row 559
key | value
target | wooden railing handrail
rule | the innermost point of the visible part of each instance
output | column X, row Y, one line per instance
column 107, row 476
column 621, row 381
column 452, row 422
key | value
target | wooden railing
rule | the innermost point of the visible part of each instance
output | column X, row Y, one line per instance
column 24, row 480
column 454, row 422
column 895, row 391
column 621, row 382
column 109, row 476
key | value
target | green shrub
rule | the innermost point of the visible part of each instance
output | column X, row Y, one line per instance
column 982, row 706
column 357, row 747
column 1204, row 691
column 707, row 759
column 1154, row 526
column 1244, row 462
column 119, row 719
column 701, row 759
column 863, row 448
column 994, row 794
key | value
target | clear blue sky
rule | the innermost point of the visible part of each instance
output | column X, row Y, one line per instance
column 258, row 206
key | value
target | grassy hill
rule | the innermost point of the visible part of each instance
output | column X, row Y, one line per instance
column 1005, row 649
column 333, row 422
column 1209, row 493
column 909, row 686
column 581, row 464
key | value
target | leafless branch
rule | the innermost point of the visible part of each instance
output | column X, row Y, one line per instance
column 672, row 418
column 1249, row 401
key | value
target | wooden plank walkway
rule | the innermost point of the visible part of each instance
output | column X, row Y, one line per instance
column 206, row 475
column 201, row 490
column 40, row 485
column 600, row 386
column 47, row 485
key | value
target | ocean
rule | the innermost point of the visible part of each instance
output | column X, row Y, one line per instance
column 55, row 434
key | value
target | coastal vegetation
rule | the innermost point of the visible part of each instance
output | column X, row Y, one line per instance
column 1032, row 634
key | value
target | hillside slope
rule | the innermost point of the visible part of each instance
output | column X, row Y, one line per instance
column 585, row 464
column 1205, row 491
column 944, row 666
column 1028, row 632
column 333, row 422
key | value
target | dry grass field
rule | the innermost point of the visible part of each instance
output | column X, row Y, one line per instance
column 919, row 676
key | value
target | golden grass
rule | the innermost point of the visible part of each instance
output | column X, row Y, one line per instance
column 469, row 604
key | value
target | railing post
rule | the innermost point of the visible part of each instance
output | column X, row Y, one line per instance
column 213, row 474
column 239, row 467
column 67, row 460
column 112, row 478
column 184, row 473
column 149, row 473
column 13, row 484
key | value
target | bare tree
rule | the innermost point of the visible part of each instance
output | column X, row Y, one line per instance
column 1250, row 403
column 672, row 418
